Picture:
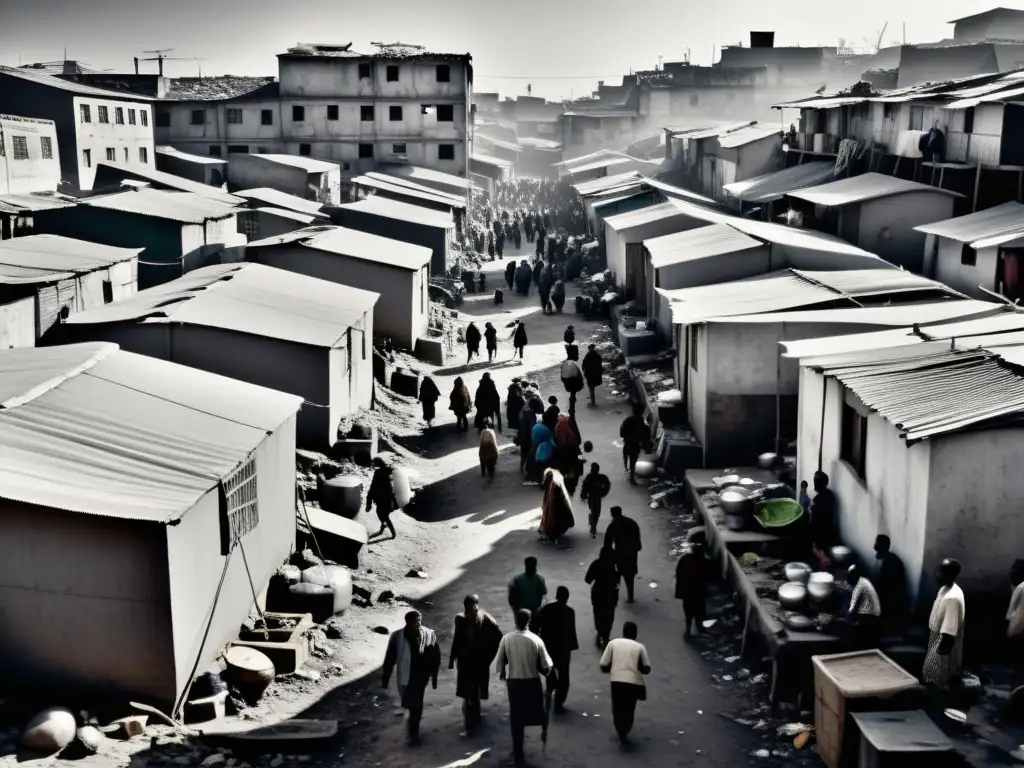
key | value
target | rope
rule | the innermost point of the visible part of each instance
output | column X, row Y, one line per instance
column 252, row 586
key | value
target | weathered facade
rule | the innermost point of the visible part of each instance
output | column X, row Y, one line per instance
column 29, row 160
column 306, row 177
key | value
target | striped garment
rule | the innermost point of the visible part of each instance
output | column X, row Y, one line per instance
column 864, row 600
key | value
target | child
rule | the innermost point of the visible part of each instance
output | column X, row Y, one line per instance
column 805, row 499
column 595, row 487
column 488, row 451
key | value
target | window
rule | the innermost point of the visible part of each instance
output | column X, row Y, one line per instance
column 126, row 154
column 392, row 73
column 398, row 149
column 234, row 116
column 332, row 111
column 103, row 114
column 968, row 256
column 364, row 71
column 87, row 158
column 446, row 152
column 298, row 113
column 969, row 120
column 694, row 331
column 444, row 73
column 854, row 439
column 144, row 118
column 119, row 115
column 85, row 113
column 250, row 225
column 198, row 117
column 46, row 147
column 889, row 111
column 131, row 117
column 163, row 119
column 239, row 505
column 395, row 114
column 238, row 149
column 108, row 291
column 215, row 150
column 366, row 113
column 144, row 155
column 916, row 118
column 365, row 151
column 111, row 155
column 305, row 150
column 445, row 113
column 266, row 117
column 20, row 144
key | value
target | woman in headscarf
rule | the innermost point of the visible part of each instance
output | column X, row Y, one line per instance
column 519, row 340
column 429, row 395
column 592, row 366
column 491, row 341
column 544, row 286
column 524, row 276
column 556, row 509
column 487, row 402
column 542, row 447
column 528, row 416
column 514, row 402
column 510, row 274
column 472, row 342
column 568, row 460
column 460, row 403
column 603, row 578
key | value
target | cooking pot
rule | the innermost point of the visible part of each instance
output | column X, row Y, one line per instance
column 736, row 501
column 751, row 483
column 767, row 460
column 840, row 556
column 792, row 595
column 821, row 586
column 798, row 622
column 726, row 480
column 798, row 572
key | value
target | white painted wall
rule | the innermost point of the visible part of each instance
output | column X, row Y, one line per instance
column 887, row 225
column 35, row 173
column 98, row 137
column 962, row 277
column 697, row 379
column 615, row 241
column 18, row 323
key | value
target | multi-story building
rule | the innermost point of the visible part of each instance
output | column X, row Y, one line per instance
column 400, row 104
column 92, row 124
column 28, row 155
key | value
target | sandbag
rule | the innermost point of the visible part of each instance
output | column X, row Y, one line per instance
column 313, row 599
column 338, row 578
column 49, row 731
column 400, row 487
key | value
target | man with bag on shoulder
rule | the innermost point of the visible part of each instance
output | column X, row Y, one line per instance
column 627, row 662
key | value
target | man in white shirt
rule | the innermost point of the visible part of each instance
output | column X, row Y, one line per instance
column 626, row 661
column 944, row 659
column 864, row 611
column 522, row 661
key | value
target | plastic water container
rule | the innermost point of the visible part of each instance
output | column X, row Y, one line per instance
column 400, row 487
column 337, row 577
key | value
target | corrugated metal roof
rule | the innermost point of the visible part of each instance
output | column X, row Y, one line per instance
column 422, row 193
column 456, row 201
column 284, row 213
column 70, row 86
column 767, row 293
column 509, row 145
column 993, row 97
column 31, row 203
column 49, row 258
column 535, row 143
column 749, row 135
column 418, row 173
column 718, row 130
column 307, row 164
column 604, row 162
column 825, row 102
column 699, row 243
column 107, row 173
column 109, row 433
column 613, row 200
column 248, row 298
column 608, row 182
column 894, row 315
column 183, row 207
column 775, row 185
column 359, row 245
column 1001, row 323
column 395, row 209
column 491, row 160
column 587, row 158
column 851, row 342
column 188, row 157
column 642, row 216
column 983, row 228
column 867, row 186
column 872, row 282
column 671, row 191
column 279, row 199
column 928, row 391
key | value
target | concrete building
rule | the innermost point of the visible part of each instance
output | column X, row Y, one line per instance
column 740, row 396
column 110, row 177
column 257, row 324
column 397, row 271
column 264, row 197
column 935, row 472
column 93, row 124
column 307, row 177
column 877, row 212
column 400, row 221
column 211, row 171
column 440, row 181
column 406, row 191
column 29, row 159
column 179, row 231
column 978, row 253
column 625, row 233
column 44, row 279
column 995, row 24
column 127, row 481
column 18, row 212
column 260, row 223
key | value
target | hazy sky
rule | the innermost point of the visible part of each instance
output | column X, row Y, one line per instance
column 562, row 47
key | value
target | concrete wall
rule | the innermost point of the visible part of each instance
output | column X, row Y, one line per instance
column 1007, row 25
column 894, row 497
column 35, row 173
column 964, row 278
column 18, row 323
column 887, row 225
column 250, row 171
column 212, row 174
column 195, row 562
column 615, row 241
column 86, row 604
column 437, row 240
column 266, row 224
column 131, row 144
column 215, row 135
column 696, row 376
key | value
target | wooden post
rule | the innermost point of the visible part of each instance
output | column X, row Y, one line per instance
column 942, row 175
column 977, row 186
column 1020, row 186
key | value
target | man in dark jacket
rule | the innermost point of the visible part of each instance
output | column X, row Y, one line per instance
column 592, row 366
column 382, row 494
column 634, row 433
column 556, row 625
column 623, row 538
column 473, row 648
column 414, row 652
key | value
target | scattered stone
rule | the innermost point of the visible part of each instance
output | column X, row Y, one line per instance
column 332, row 630
column 277, row 762
column 792, row 729
column 742, row 674
column 381, row 630
column 757, row 679
column 323, row 650
column 387, row 596
column 416, row 573
column 731, row 659
column 762, row 753
column 89, row 739
column 49, row 731
column 307, row 674
column 215, row 759
column 362, row 592
column 127, row 727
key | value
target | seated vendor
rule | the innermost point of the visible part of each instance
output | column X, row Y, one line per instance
column 859, row 627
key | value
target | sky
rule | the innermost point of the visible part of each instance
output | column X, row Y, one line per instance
column 561, row 47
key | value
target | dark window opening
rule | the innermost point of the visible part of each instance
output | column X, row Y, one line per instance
column 239, row 504
column 85, row 113
column 46, row 147
column 444, row 73
column 163, row 119
column 111, row 155
column 968, row 256
column 298, row 113
column 266, row 117
column 888, row 111
column 364, row 71
column 198, row 117
column 332, row 111
column 215, row 150
column 144, row 117
column 305, row 150
column 365, row 151
column 916, row 118
column 87, row 158
column 20, row 147
column 238, row 149
column 366, row 113
column 446, row 152
column 108, row 291
column 398, row 149
column 445, row 113
column 143, row 155
column 854, row 440
column 392, row 73
column 969, row 120
column 395, row 114
column 693, row 331
column 234, row 116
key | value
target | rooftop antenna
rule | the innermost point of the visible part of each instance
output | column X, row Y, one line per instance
column 161, row 56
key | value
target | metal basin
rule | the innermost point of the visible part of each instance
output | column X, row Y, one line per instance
column 736, row 501
column 751, row 483
column 798, row 572
column 841, row 556
column 821, row 586
column 799, row 623
column 726, row 480
column 767, row 460
column 792, row 595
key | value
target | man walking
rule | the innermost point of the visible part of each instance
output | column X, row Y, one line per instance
column 623, row 538
column 527, row 590
column 473, row 649
column 413, row 650
column 556, row 626
column 634, row 433
column 627, row 662
column 522, row 661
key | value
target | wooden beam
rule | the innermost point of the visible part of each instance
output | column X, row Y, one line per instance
column 977, row 186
